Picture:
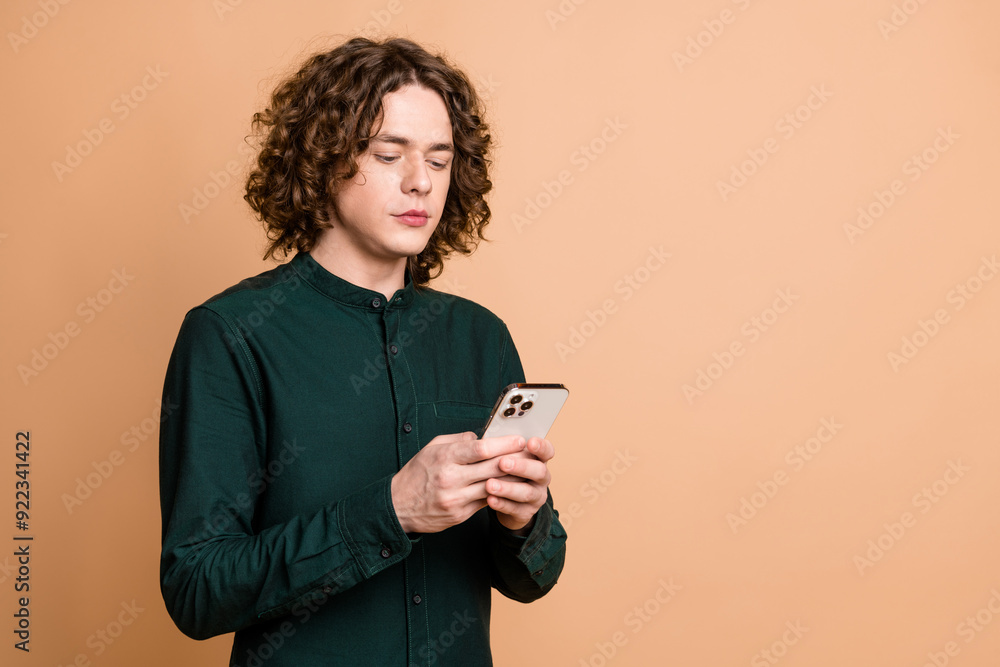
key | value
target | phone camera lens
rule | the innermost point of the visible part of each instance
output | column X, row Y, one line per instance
column 508, row 412
column 526, row 405
column 514, row 400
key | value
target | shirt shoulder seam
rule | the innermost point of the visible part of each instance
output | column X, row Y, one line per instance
column 244, row 348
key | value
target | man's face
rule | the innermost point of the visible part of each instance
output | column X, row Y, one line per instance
column 389, row 210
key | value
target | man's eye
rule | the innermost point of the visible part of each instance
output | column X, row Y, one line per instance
column 388, row 159
column 437, row 164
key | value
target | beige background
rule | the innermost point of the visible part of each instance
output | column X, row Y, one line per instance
column 650, row 479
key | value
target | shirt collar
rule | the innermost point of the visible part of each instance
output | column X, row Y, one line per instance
column 348, row 293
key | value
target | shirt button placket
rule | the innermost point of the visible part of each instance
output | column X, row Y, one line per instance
column 399, row 342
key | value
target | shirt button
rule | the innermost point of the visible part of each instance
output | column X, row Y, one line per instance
column 385, row 553
column 327, row 589
column 376, row 303
column 417, row 599
column 393, row 349
column 407, row 427
column 537, row 573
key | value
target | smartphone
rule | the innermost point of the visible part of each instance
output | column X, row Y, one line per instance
column 526, row 409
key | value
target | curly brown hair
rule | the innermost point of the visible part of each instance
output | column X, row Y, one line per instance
column 321, row 119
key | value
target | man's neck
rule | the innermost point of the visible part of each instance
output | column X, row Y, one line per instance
column 382, row 277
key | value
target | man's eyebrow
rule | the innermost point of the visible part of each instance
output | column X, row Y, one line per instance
column 403, row 141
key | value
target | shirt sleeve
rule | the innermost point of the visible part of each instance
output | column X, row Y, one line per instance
column 525, row 567
column 218, row 573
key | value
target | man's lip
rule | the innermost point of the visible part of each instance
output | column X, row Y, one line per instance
column 414, row 218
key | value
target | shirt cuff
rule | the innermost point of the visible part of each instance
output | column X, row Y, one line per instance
column 528, row 548
column 371, row 530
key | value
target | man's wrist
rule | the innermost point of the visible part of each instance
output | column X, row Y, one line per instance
column 523, row 531
column 394, row 493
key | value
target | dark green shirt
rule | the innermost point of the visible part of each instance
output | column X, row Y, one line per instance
column 300, row 395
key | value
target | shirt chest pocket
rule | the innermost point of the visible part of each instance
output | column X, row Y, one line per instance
column 441, row 417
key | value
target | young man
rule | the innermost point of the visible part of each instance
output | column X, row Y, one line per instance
column 323, row 492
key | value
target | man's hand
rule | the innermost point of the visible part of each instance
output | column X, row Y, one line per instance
column 446, row 482
column 521, row 493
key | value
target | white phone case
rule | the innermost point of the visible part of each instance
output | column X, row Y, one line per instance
column 510, row 417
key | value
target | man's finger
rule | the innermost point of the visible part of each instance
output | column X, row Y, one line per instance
column 447, row 438
column 468, row 496
column 541, row 448
column 529, row 469
column 473, row 451
column 523, row 493
column 480, row 471
column 476, row 505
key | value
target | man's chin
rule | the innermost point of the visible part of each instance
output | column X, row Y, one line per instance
column 410, row 249
column 406, row 252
